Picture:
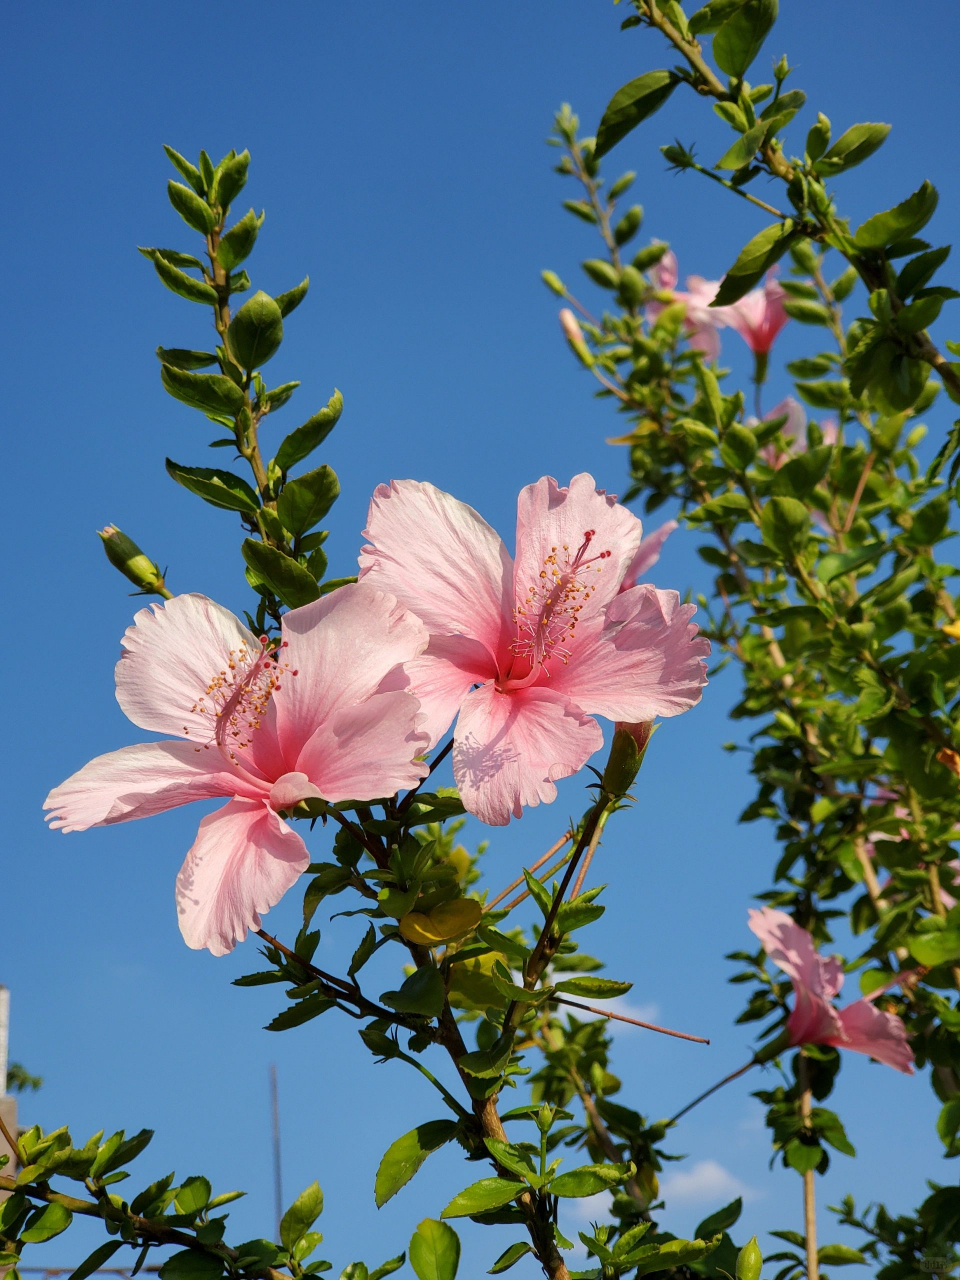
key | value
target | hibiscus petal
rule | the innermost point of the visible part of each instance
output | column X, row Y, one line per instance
column 439, row 558
column 242, row 862
column 552, row 521
column 813, row 1020
column 368, row 750
column 642, row 660
column 647, row 555
column 793, row 950
column 867, row 1029
column 136, row 782
column 440, row 678
column 171, row 654
column 509, row 749
column 341, row 647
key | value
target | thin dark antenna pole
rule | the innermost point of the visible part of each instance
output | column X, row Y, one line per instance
column 277, row 1174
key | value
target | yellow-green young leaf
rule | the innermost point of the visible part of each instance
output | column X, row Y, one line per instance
column 404, row 1157
column 948, row 1125
column 421, row 993
column 301, row 1215
column 305, row 501
column 749, row 1259
column 488, row 1193
column 597, row 988
column 44, row 1224
column 185, row 169
column 256, row 331
column 230, row 179
column 838, row 1255
column 818, row 139
column 387, row 1268
column 209, row 392
column 298, row 444
column 287, row 579
column 852, row 148
column 676, row 1253
column 513, row 1253
column 193, row 1194
column 237, row 243
column 179, row 282
column 221, row 488
column 443, row 923
column 192, row 208
column 631, row 104
column 901, row 222
column 290, row 300
column 937, row 947
column 744, row 149
column 740, row 38
column 589, row 1179
column 434, row 1251
column 712, row 16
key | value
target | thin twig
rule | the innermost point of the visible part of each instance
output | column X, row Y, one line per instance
column 713, row 1088
column 536, row 867
column 591, row 850
column 622, row 1017
column 551, row 871
column 10, row 1139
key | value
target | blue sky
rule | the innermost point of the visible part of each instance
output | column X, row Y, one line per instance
column 399, row 154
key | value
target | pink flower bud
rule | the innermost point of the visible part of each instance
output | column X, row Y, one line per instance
column 571, row 329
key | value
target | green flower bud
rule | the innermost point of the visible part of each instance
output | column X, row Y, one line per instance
column 626, row 756
column 749, row 1261
column 125, row 555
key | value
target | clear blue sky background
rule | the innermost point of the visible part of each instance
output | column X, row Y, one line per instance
column 399, row 153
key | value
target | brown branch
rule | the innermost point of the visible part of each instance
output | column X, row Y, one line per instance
column 622, row 1017
column 554, row 849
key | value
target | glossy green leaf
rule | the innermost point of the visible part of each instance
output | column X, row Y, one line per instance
column 96, row 1260
column 720, row 1220
column 180, row 358
column 590, row 1179
column 598, row 988
column 404, row 1157
column 434, row 1251
column 237, row 243
column 192, row 208
column 189, row 1264
column 939, row 946
column 193, row 1194
column 740, row 38
column 387, row 1268
column 284, row 577
column 185, row 169
column 301, row 1215
column 918, row 271
column 43, row 1224
column 290, row 300
column 744, row 149
column 305, row 501
column 221, row 488
column 179, row 282
column 754, row 259
column 230, row 180
column 784, row 525
column 256, row 331
column 513, row 1253
column 482, row 1196
column 421, row 993
column 838, row 1255
column 631, row 104
column 900, row 222
column 852, row 148
column 210, row 392
column 712, row 16
column 300, row 443
column 676, row 1253
column 304, row 1010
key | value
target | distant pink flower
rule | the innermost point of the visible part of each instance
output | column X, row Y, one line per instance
column 816, row 982
column 546, row 640
column 266, row 728
column 793, row 431
column 570, row 326
column 759, row 315
column 648, row 553
column 701, row 321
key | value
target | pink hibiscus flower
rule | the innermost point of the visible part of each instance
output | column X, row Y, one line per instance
column 759, row 315
column 547, row 641
column 816, row 982
column 648, row 553
column 701, row 321
column 266, row 728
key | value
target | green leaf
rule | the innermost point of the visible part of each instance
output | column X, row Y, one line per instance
column 948, row 1124
column 806, row 312
column 237, row 243
column 538, row 892
column 721, row 1220
column 183, row 359
column 918, row 271
column 294, row 585
column 192, row 208
column 278, row 396
column 760, row 253
column 738, row 448
column 404, row 1157
column 835, row 564
column 368, row 945
column 677, row 1253
column 852, row 148
column 422, row 993
column 744, row 149
column 784, row 525
column 127, row 1150
column 256, row 331
column 96, row 1260
column 221, row 488
column 937, row 947
column 631, row 104
column 44, row 1224
column 179, row 282
column 712, row 16
column 185, row 169
column 434, row 1251
column 513, row 1253
column 589, row 1179
column 209, row 392
column 740, row 38
column 577, row 914
column 188, row 1264
column 387, row 1268
column 838, row 1255
column 301, row 1215
column 305, row 501
column 480, row 1197
column 193, row 1194
column 598, row 988
column 900, row 222
column 230, row 180
column 802, row 1156
column 290, row 300
column 303, row 1011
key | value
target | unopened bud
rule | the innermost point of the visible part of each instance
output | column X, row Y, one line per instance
column 626, row 756
column 553, row 281
column 574, row 335
column 749, row 1261
column 125, row 555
